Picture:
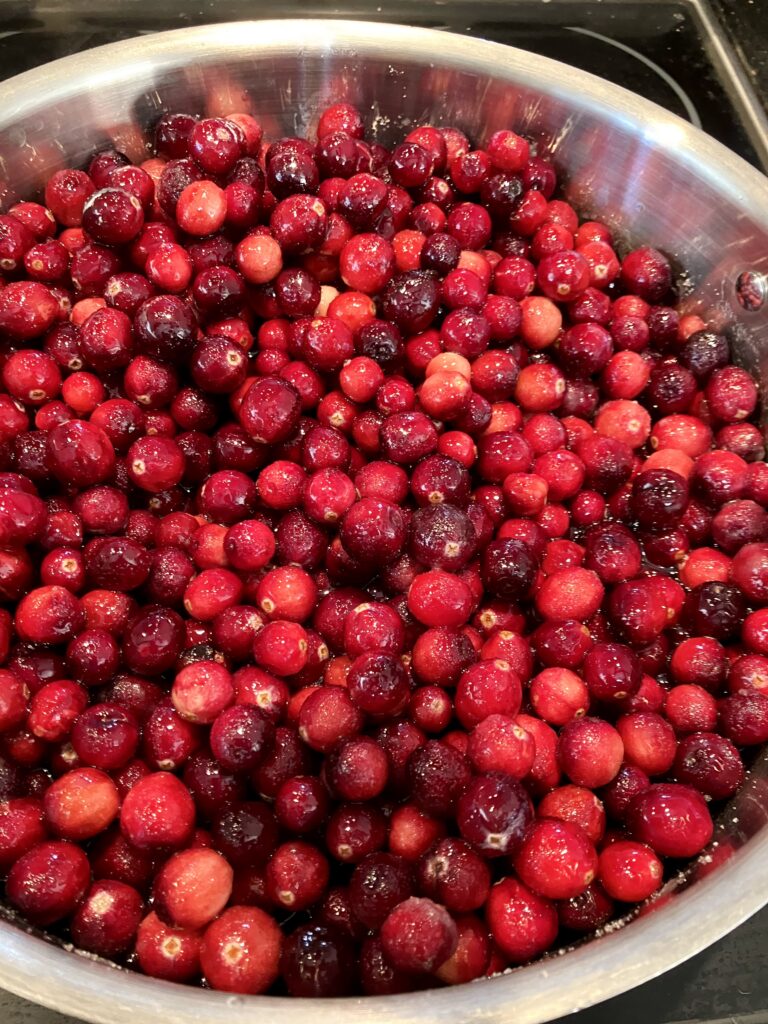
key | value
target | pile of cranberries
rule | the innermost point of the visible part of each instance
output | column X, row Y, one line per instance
column 383, row 561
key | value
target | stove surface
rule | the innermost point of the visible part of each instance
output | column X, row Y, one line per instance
column 707, row 63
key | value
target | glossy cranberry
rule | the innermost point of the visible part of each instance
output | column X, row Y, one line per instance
column 494, row 813
column 113, row 216
column 48, row 881
column 522, row 923
column 317, row 961
column 672, row 819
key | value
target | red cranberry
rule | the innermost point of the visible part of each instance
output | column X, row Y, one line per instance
column 522, row 923
column 672, row 819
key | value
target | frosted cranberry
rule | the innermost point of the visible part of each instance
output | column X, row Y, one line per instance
column 166, row 952
column 750, row 571
column 48, row 615
column 647, row 273
column 431, row 709
column 731, row 394
column 487, row 688
column 328, row 716
column 379, row 883
column 201, row 691
column 439, row 655
column 240, row 951
column 21, row 828
column 744, row 717
column 410, row 301
column 690, row 708
column 297, row 875
column 240, row 737
column 579, row 807
column 649, row 742
column 53, row 709
column 13, row 700
column 672, row 819
column 744, row 440
column 754, row 631
column 437, row 775
column 373, row 627
column 80, row 804
column 107, row 921
column 739, row 523
column 710, row 763
column 158, row 812
column 590, row 752
column 192, row 888
column 499, row 743
column 357, row 769
column 418, row 935
column 48, row 881
column 703, row 352
column 522, row 923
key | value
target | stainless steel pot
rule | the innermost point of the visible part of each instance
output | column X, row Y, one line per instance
column 652, row 176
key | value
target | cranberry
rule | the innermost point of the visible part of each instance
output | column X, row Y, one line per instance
column 113, row 216
column 556, row 859
column 522, row 923
column 494, row 813
column 48, row 881
column 240, row 951
column 630, row 871
column 672, row 819
column 107, row 921
column 158, row 812
column 418, row 935
column 710, row 763
column 317, row 961
column 166, row 952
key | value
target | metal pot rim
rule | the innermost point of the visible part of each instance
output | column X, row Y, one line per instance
column 86, row 987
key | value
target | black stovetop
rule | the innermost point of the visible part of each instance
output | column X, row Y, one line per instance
column 706, row 60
